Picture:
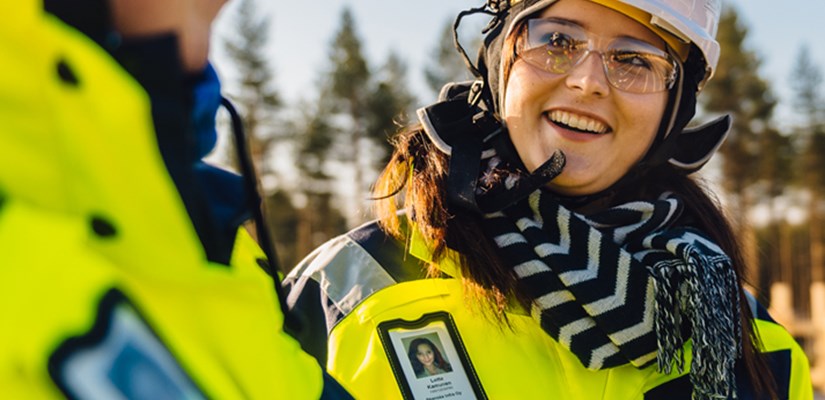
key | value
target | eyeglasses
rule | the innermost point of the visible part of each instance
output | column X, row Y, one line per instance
column 631, row 65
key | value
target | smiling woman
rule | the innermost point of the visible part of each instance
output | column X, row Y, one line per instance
column 554, row 192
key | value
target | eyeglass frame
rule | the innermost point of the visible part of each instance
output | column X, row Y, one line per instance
column 592, row 39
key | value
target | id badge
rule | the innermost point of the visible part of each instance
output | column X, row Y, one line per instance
column 121, row 357
column 428, row 359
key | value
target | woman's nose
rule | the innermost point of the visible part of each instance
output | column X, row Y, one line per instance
column 589, row 76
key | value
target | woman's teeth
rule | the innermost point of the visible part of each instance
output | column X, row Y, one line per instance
column 577, row 122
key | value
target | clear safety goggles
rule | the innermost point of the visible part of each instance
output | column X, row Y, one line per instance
column 631, row 65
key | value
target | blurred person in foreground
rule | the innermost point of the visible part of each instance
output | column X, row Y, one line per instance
column 124, row 270
column 554, row 196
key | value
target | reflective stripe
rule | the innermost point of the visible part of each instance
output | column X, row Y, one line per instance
column 345, row 271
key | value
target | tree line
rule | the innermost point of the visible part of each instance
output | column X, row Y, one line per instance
column 318, row 158
column 773, row 181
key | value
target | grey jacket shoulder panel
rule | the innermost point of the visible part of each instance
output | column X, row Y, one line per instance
column 344, row 271
column 331, row 281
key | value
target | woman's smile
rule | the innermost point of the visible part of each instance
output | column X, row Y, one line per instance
column 576, row 125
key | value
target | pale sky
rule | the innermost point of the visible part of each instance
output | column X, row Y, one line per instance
column 303, row 30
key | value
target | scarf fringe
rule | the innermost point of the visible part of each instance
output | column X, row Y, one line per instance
column 704, row 286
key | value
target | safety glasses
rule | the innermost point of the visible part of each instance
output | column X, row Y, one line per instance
column 631, row 65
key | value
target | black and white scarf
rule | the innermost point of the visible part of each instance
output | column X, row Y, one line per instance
column 626, row 286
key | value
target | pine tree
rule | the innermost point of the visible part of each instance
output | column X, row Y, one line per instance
column 775, row 175
column 363, row 106
column 254, row 93
column 349, row 79
column 738, row 89
column 389, row 107
column 318, row 218
column 350, row 72
column 806, row 82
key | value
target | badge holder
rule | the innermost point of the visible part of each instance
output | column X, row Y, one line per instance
column 121, row 356
column 428, row 359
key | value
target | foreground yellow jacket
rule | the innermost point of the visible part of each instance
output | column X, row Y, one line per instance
column 367, row 290
column 104, row 287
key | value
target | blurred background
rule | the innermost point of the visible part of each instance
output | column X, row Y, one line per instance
column 323, row 85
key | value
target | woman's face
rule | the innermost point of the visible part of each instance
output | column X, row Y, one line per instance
column 540, row 107
column 425, row 355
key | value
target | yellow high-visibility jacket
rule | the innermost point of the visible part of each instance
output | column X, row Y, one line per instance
column 105, row 290
column 368, row 291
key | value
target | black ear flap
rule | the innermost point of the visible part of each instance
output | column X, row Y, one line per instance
column 695, row 146
column 686, row 149
column 455, row 90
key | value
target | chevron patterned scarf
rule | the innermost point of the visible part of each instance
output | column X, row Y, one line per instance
column 626, row 286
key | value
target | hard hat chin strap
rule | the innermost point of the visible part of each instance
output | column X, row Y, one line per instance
column 484, row 172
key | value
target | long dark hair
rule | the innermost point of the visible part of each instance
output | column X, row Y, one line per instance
column 438, row 359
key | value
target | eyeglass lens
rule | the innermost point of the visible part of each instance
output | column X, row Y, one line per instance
column 631, row 65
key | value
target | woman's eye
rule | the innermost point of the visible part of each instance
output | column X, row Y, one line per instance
column 631, row 58
column 559, row 40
